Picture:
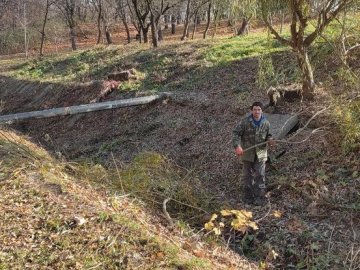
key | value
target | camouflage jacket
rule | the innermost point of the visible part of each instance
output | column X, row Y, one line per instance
column 246, row 134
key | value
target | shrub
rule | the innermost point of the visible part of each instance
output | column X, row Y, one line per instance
column 348, row 116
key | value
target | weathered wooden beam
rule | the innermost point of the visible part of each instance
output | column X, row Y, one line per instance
column 82, row 108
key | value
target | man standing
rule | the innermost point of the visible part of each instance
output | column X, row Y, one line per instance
column 250, row 139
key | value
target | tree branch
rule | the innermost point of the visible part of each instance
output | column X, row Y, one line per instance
column 271, row 28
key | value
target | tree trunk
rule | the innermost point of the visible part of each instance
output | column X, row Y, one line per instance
column 145, row 34
column 187, row 19
column 166, row 21
column 244, row 26
column 127, row 30
column 107, row 34
column 308, row 84
column 195, row 24
column 25, row 32
column 154, row 34
column 160, row 34
column 122, row 15
column 73, row 37
column 208, row 21
column 99, row 23
column 84, row 108
column 186, row 31
column 43, row 29
column 198, row 19
column 173, row 24
column 216, row 14
column 282, row 22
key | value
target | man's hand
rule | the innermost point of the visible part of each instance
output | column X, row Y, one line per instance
column 271, row 142
column 239, row 151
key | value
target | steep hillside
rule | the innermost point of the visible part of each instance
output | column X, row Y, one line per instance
column 52, row 220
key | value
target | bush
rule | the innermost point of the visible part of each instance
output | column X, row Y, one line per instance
column 154, row 178
column 348, row 116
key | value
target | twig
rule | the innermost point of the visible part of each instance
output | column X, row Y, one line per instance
column 167, row 216
column 96, row 266
column 182, row 203
column 285, row 141
column 18, row 146
column 322, row 201
column 118, row 173
column 228, row 241
column 329, row 245
column 268, row 212
column 309, row 121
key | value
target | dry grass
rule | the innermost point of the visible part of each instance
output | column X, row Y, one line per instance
column 53, row 220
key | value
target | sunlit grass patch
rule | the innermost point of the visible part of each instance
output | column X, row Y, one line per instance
column 237, row 48
column 79, row 65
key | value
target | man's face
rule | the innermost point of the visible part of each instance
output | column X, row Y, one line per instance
column 256, row 112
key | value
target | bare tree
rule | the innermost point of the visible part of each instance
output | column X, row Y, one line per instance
column 301, row 12
column 157, row 9
column 141, row 10
column 244, row 11
column 348, row 40
column 122, row 9
column 82, row 9
column 42, row 32
column 192, row 8
column 67, row 9
column 103, row 10
column 208, row 21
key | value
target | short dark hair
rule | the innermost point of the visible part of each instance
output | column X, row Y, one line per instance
column 257, row 104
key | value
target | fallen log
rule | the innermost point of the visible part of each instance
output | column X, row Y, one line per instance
column 83, row 108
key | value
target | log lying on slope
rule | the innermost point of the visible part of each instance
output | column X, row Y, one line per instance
column 83, row 108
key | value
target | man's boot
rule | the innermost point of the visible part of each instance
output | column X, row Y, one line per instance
column 248, row 196
column 260, row 198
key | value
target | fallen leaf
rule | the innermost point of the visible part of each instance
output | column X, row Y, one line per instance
column 277, row 214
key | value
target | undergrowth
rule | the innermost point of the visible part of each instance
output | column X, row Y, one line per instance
column 52, row 220
column 153, row 178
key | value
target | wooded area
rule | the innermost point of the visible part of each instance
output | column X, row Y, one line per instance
column 29, row 24
column 160, row 186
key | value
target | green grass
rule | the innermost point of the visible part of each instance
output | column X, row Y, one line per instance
column 170, row 66
column 237, row 48
column 80, row 65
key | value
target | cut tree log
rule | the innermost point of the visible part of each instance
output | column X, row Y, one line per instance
column 279, row 95
column 83, row 108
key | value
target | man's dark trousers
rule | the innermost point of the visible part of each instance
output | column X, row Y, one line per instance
column 254, row 179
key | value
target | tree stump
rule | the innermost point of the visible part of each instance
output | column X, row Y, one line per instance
column 279, row 95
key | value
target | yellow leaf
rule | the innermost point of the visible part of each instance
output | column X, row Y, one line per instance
column 226, row 213
column 242, row 213
column 237, row 223
column 213, row 217
column 277, row 214
column 242, row 229
column 209, row 226
column 253, row 225
column 217, row 231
